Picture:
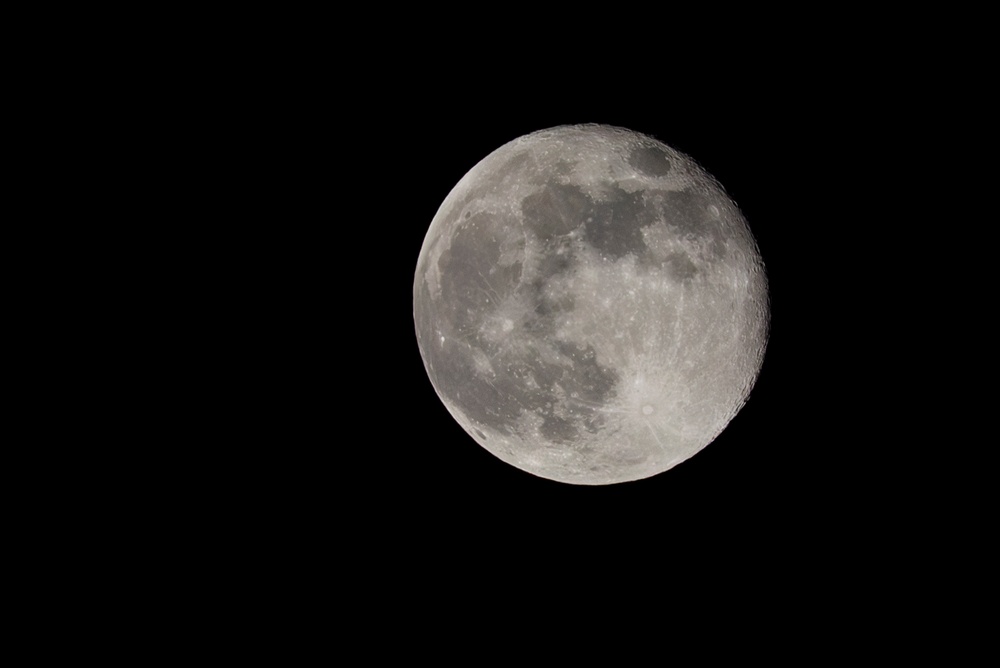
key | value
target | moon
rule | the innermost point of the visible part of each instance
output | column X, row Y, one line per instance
column 590, row 306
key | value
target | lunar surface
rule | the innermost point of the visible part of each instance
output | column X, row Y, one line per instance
column 590, row 305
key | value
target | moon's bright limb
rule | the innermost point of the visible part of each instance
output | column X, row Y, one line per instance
column 590, row 306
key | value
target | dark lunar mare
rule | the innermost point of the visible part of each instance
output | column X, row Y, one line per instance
column 524, row 377
column 612, row 224
column 687, row 214
column 474, row 284
column 650, row 160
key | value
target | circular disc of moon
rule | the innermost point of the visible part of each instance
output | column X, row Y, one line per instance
column 590, row 305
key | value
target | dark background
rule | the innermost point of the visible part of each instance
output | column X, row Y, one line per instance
column 306, row 455
column 348, row 436
column 284, row 451
column 307, row 468
column 800, row 452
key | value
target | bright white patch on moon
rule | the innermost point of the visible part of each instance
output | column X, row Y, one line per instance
column 590, row 305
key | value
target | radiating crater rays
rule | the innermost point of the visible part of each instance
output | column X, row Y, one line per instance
column 585, row 305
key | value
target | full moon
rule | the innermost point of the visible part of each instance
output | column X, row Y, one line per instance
column 590, row 305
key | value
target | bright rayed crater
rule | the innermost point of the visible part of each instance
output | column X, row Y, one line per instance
column 590, row 305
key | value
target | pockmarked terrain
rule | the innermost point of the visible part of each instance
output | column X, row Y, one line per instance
column 590, row 305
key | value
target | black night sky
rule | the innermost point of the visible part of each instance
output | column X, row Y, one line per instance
column 366, row 448
column 785, row 448
column 304, row 467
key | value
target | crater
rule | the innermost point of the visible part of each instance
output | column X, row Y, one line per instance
column 650, row 160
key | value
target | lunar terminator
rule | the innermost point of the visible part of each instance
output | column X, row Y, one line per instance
column 590, row 305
